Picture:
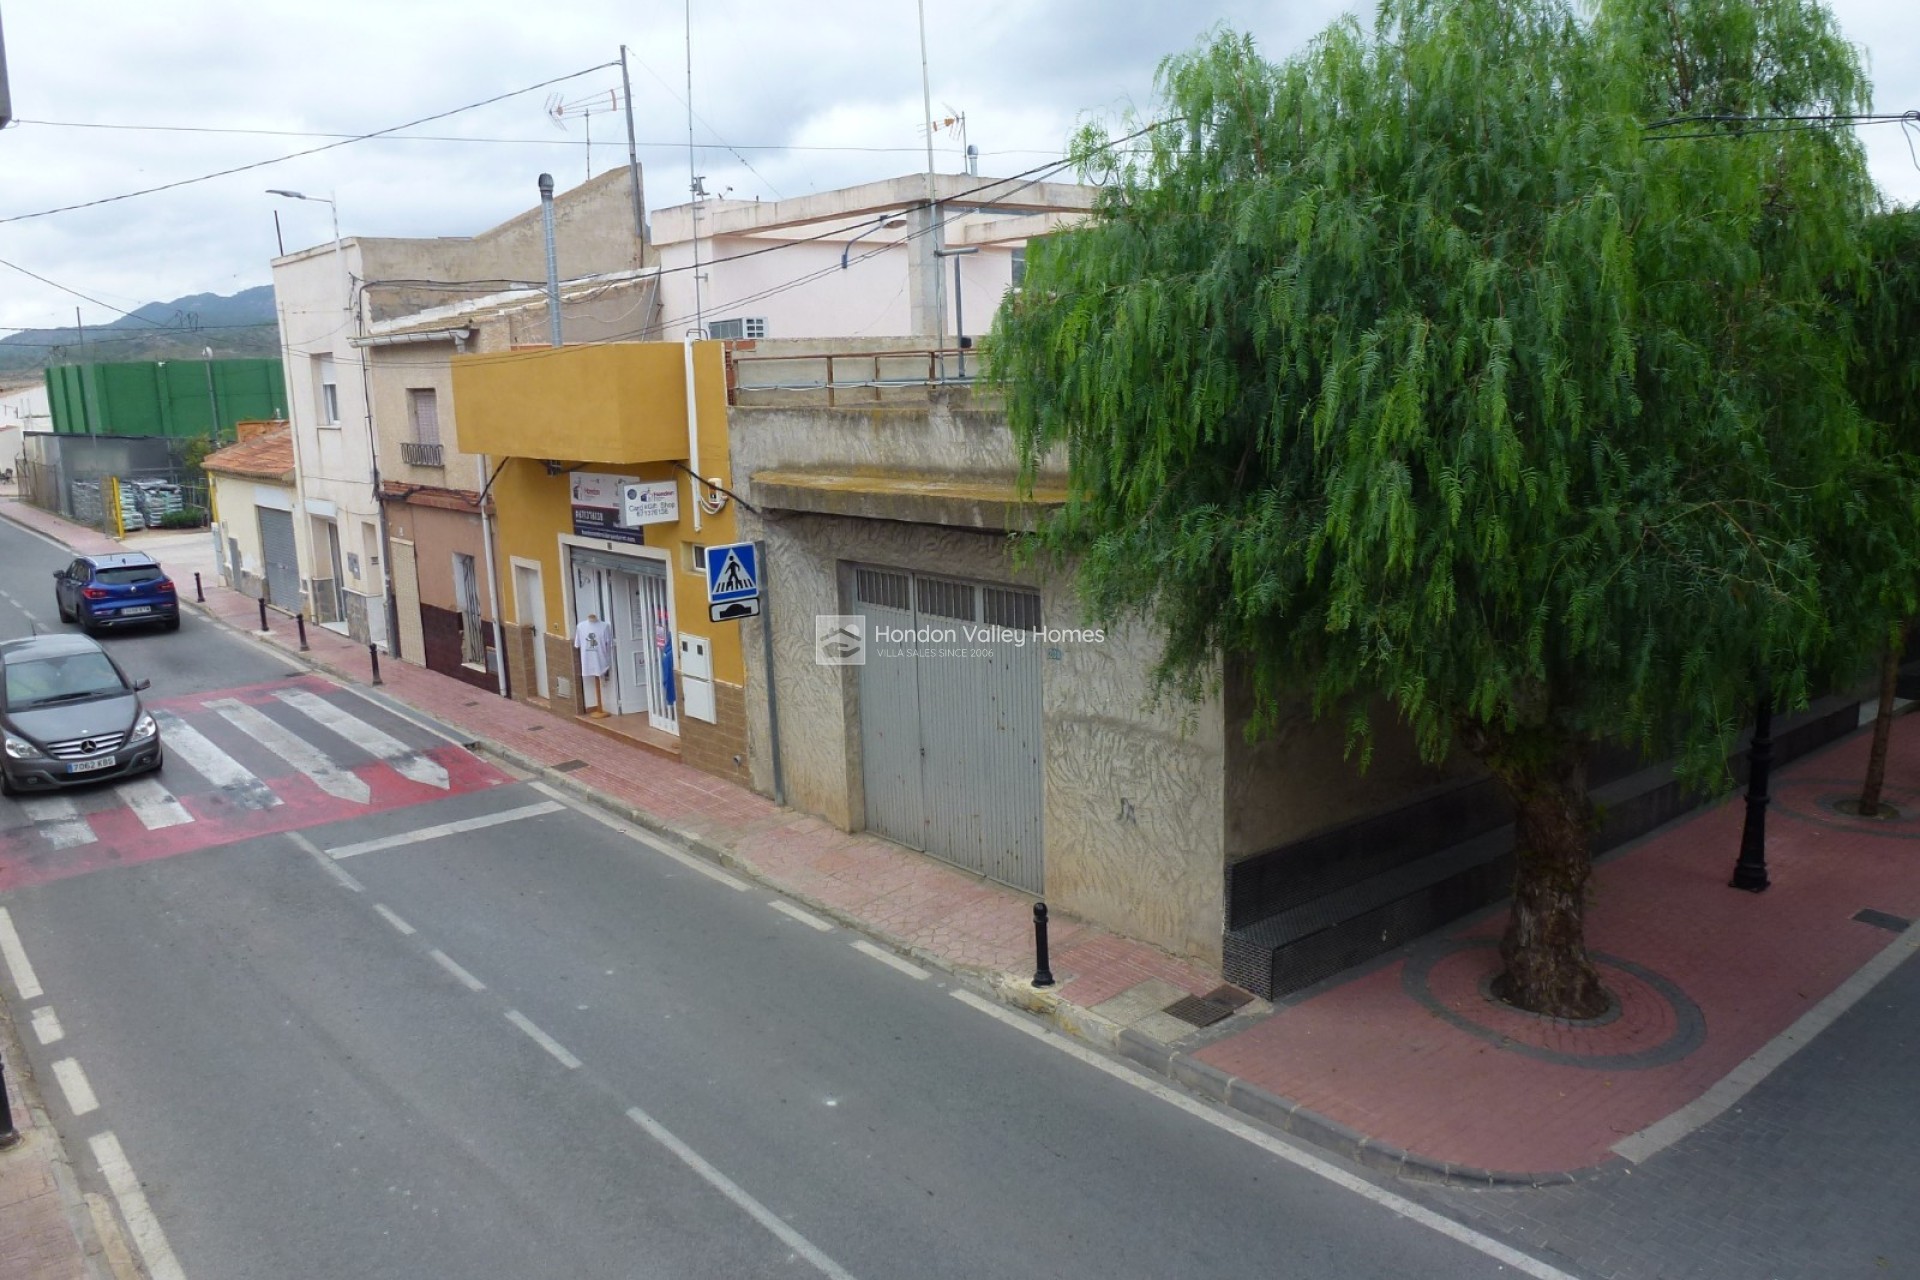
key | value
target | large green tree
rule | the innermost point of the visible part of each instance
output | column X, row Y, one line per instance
column 1428, row 364
column 1885, row 377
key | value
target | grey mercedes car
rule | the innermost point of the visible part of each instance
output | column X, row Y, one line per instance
column 70, row 715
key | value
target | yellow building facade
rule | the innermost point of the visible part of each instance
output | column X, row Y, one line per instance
column 608, row 491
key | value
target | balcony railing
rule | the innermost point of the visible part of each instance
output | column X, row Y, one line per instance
column 416, row 454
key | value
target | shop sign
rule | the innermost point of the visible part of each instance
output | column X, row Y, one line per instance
column 597, row 507
column 650, row 502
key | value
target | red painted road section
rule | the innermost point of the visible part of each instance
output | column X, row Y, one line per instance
column 27, row 857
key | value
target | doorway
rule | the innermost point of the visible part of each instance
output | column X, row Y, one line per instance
column 632, row 594
column 530, row 607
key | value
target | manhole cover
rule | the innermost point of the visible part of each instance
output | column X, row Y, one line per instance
column 1199, row 1011
column 568, row 766
column 1882, row 920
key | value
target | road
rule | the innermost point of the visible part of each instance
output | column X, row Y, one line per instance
column 362, row 1005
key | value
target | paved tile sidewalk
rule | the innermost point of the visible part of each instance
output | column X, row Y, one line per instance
column 1405, row 1064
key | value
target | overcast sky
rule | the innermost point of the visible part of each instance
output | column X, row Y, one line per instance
column 789, row 99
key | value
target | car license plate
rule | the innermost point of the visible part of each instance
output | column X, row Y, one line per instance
column 93, row 766
column 138, row 608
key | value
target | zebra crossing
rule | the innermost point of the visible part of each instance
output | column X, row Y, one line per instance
column 240, row 763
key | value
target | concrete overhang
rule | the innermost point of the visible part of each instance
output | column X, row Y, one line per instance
column 892, row 195
column 962, row 502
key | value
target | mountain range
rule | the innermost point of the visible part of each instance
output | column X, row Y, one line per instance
column 234, row 325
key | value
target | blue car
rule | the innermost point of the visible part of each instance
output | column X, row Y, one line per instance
column 124, row 589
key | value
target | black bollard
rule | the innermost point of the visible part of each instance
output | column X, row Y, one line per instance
column 1042, row 974
column 199, row 596
column 263, row 613
column 373, row 656
column 8, row 1134
column 1750, row 871
column 300, row 624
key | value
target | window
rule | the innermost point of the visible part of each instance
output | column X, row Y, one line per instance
column 697, row 558
column 1020, row 266
column 423, row 414
column 329, row 390
column 746, row 327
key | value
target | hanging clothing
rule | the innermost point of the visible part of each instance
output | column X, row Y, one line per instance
column 594, row 639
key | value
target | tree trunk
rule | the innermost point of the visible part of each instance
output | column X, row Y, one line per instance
column 1544, row 950
column 1882, row 729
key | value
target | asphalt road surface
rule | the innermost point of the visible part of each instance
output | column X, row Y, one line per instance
column 345, row 1001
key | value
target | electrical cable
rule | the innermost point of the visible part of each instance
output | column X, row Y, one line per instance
column 261, row 164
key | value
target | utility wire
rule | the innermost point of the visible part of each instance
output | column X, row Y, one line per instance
column 261, row 164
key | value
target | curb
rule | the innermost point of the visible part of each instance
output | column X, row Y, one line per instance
column 1242, row 1096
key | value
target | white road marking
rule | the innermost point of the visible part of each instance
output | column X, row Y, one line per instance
column 289, row 746
column 1400, row 1205
column 192, row 747
column 804, row 917
column 444, row 829
column 153, row 804
column 542, row 1039
column 326, row 864
column 733, row 1191
column 646, row 838
column 147, row 1235
column 73, row 1083
column 46, row 1025
column 1737, row 1083
column 59, row 820
column 24, row 980
column 394, row 920
column 448, row 963
column 889, row 959
column 383, row 746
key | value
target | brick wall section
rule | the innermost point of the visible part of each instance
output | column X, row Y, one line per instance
column 519, row 642
column 564, row 664
column 712, row 748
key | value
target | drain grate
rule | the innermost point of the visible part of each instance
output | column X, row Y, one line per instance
column 568, row 766
column 1883, row 920
column 1198, row 1011
column 1232, row 997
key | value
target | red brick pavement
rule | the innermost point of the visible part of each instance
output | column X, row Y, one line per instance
column 1705, row 975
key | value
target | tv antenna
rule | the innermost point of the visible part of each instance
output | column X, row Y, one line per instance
column 585, row 109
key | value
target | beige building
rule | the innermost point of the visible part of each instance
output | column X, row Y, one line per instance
column 253, row 497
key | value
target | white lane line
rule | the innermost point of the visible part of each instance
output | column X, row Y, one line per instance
column 24, row 979
column 59, row 820
column 542, row 1039
column 153, row 804
column 73, row 1083
column 188, row 745
column 646, row 838
column 326, row 864
column 289, row 746
column 448, row 963
column 444, row 829
column 1407, row 1209
column 46, row 1025
column 391, row 918
column 407, row 762
column 806, row 918
column 1737, row 1083
column 733, row 1191
column 889, row 959
column 147, row 1235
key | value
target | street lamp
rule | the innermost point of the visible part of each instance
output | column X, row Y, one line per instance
column 333, row 210
column 213, row 401
column 959, row 316
column 889, row 224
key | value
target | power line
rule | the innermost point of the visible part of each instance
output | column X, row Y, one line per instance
column 261, row 164
column 513, row 142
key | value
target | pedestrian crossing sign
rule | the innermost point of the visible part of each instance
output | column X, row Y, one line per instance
column 733, row 573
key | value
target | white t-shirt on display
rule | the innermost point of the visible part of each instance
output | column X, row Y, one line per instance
column 594, row 639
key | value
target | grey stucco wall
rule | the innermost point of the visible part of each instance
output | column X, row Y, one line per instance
column 1132, row 795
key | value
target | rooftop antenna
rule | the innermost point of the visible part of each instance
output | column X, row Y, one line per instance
column 598, row 104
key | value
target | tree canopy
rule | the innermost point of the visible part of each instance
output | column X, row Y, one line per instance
column 1435, row 363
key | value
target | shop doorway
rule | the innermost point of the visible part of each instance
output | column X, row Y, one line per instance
column 632, row 594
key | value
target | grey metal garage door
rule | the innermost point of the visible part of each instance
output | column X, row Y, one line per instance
column 283, row 564
column 950, row 721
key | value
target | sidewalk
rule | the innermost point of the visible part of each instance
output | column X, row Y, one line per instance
column 1403, row 1065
